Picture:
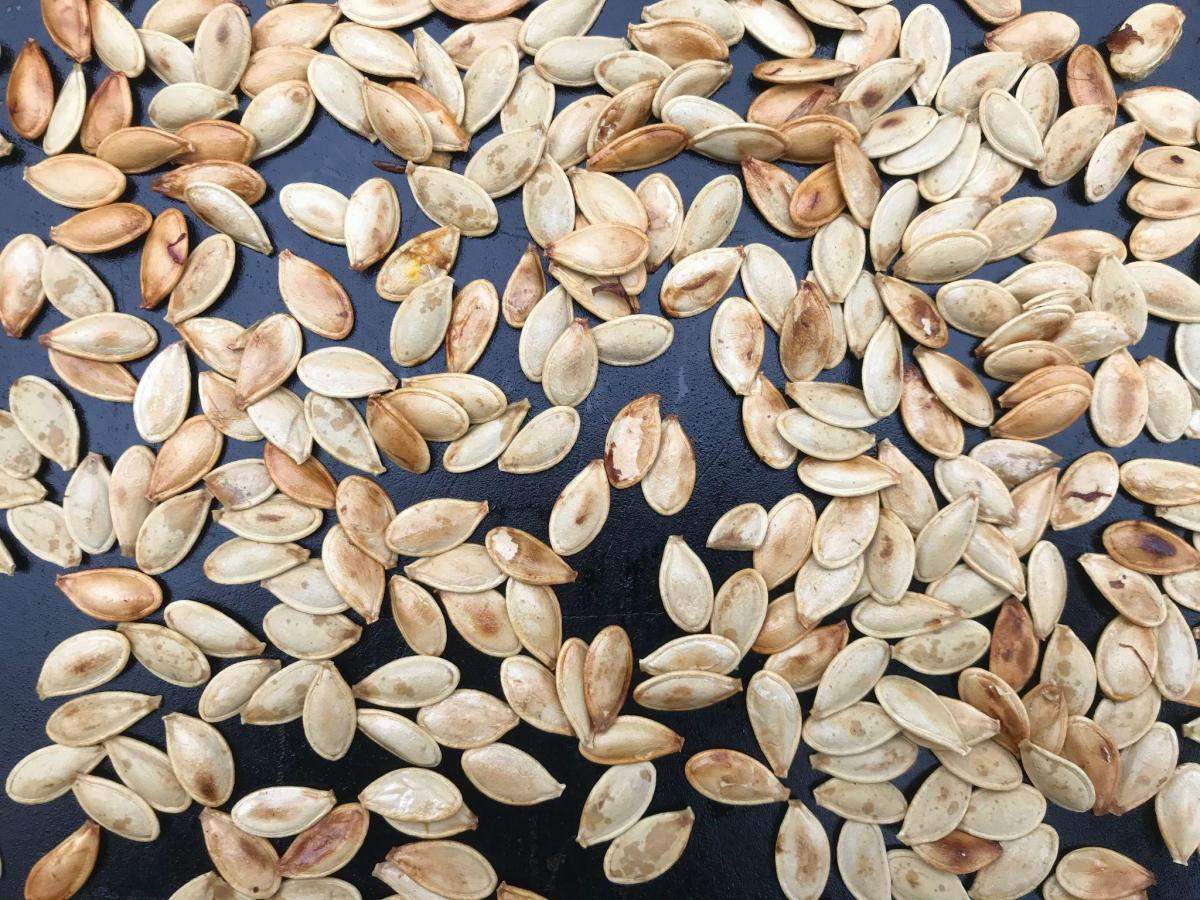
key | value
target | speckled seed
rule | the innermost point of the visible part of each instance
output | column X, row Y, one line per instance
column 200, row 758
column 649, row 848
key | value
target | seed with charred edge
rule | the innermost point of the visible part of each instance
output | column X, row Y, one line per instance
column 959, row 853
column 328, row 845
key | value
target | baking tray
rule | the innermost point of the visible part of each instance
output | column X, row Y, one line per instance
column 731, row 849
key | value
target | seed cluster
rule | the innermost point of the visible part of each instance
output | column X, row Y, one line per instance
column 916, row 563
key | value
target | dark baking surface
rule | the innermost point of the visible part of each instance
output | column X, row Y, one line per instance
column 731, row 848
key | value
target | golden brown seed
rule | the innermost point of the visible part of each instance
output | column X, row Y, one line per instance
column 328, row 845
column 959, row 853
column 109, row 109
column 240, row 179
column 111, row 594
column 607, row 670
column 30, row 92
column 247, row 862
column 164, row 255
column 64, row 870
column 1146, row 547
column 103, row 228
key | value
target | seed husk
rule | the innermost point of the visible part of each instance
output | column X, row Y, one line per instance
column 416, row 262
column 343, row 372
column 76, row 181
column 482, row 620
column 1100, row 872
column 580, row 511
column 698, row 282
column 607, row 669
column 111, row 594
column 1144, row 41
column 452, row 199
column 862, row 859
column 542, row 443
column 355, row 574
column 802, row 663
column 281, row 811
column 309, row 636
column 339, row 430
column 1146, row 765
column 337, row 87
column 137, row 149
column 115, row 807
column 81, row 662
column 464, row 567
column 166, row 653
column 315, row 209
column 850, row 675
column 736, row 342
column 936, row 809
column 616, row 803
column 632, row 858
column 109, row 108
column 1175, row 814
column 186, row 457
column 211, row 630
column 372, row 222
column 103, row 337
column 1146, row 547
column 434, row 526
column 85, row 506
column 46, row 774
column 762, row 408
column 40, row 526
column 275, row 520
column 206, row 272
column 314, row 297
column 92, row 718
column 396, row 436
column 744, row 527
column 18, row 457
column 170, row 59
column 21, row 291
column 213, row 139
column 164, row 257
column 466, row 719
column 959, row 853
column 247, row 862
column 218, row 401
column 280, row 698
column 307, row 588
column 530, row 690
column 239, row 561
column 728, row 776
column 509, row 775
column 775, row 718
column 327, row 845
column 102, row 228
column 278, row 115
column 884, row 763
column 222, row 209
column 30, row 93
column 669, row 483
column 147, row 771
column 329, row 714
column 685, row 586
column 400, row 736
column 873, row 804
column 200, row 758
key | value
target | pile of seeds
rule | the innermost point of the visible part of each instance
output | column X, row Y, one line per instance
column 917, row 564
